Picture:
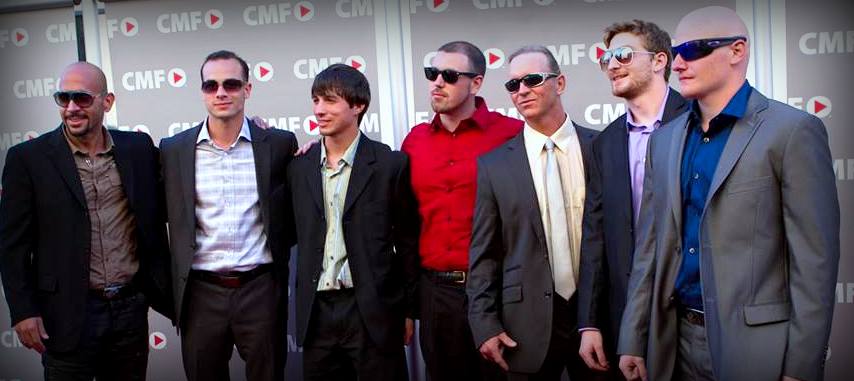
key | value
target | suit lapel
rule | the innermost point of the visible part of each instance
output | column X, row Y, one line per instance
column 61, row 156
column 520, row 170
column 262, row 153
column 617, row 173
column 187, row 160
column 362, row 172
column 739, row 137
column 677, row 145
column 124, row 164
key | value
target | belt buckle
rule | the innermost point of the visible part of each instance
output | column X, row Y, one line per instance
column 111, row 291
column 461, row 281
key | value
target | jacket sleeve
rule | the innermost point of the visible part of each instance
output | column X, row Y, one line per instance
column 486, row 258
column 592, row 266
column 407, row 229
column 17, row 238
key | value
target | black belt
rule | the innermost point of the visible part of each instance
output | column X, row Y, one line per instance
column 232, row 279
column 692, row 316
column 113, row 292
column 450, row 277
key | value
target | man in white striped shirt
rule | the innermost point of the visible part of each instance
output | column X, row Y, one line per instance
column 229, row 217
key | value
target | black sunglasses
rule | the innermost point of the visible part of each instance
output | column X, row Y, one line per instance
column 81, row 98
column 530, row 81
column 450, row 76
column 230, row 85
column 696, row 49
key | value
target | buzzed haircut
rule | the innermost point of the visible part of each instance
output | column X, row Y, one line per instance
column 345, row 82
column 553, row 66
column 225, row 55
column 477, row 62
column 654, row 38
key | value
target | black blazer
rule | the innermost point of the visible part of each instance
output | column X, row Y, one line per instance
column 45, row 236
column 272, row 150
column 607, row 241
column 380, row 222
column 510, row 282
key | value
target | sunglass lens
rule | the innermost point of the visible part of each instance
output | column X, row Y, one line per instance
column 624, row 55
column 82, row 99
column 62, row 99
column 450, row 76
column 512, row 85
column 232, row 85
column 210, row 86
column 533, row 79
column 431, row 73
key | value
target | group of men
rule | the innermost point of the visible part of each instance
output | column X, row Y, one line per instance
column 694, row 238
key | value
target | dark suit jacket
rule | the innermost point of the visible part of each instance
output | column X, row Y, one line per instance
column 45, row 236
column 273, row 150
column 380, row 222
column 510, row 286
column 608, row 238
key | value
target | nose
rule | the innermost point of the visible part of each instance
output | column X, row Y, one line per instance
column 72, row 106
column 613, row 64
column 318, row 109
column 679, row 64
column 220, row 91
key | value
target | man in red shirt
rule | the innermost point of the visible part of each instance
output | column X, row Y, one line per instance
column 443, row 157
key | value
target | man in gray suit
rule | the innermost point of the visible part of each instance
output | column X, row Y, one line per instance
column 526, row 237
column 734, row 275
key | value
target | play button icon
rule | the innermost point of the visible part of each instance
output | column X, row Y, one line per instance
column 494, row 58
column 157, row 340
column 310, row 126
column 357, row 62
column 263, row 71
column 819, row 106
column 213, row 19
column 177, row 77
column 20, row 37
column 304, row 11
column 129, row 26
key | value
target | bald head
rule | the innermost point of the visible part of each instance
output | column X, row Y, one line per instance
column 709, row 22
column 87, row 74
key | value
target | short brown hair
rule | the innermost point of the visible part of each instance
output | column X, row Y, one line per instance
column 654, row 38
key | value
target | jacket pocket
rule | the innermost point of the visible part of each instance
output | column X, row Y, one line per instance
column 759, row 314
column 740, row 186
column 511, row 294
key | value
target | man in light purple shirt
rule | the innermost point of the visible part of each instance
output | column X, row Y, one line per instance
column 637, row 65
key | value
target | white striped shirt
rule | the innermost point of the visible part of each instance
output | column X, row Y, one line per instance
column 229, row 231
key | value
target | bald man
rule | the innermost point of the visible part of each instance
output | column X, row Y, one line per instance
column 734, row 274
column 83, row 248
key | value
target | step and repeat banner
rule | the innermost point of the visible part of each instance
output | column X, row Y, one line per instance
column 155, row 48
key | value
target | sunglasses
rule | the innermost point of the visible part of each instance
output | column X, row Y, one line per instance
column 696, row 49
column 230, row 85
column 81, row 98
column 448, row 75
column 623, row 55
column 530, row 80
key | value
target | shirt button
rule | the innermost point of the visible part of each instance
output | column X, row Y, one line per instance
column 691, row 250
column 451, row 163
column 705, row 140
column 696, row 176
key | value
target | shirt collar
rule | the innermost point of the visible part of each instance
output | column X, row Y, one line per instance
column 535, row 140
column 481, row 117
column 244, row 133
column 349, row 155
column 630, row 121
column 108, row 142
column 735, row 108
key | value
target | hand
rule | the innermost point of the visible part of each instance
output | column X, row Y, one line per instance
column 633, row 367
column 591, row 350
column 261, row 123
column 31, row 332
column 305, row 147
column 409, row 330
column 493, row 349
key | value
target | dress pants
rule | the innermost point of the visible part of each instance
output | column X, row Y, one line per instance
column 447, row 345
column 338, row 346
column 693, row 360
column 251, row 317
column 562, row 354
column 113, row 344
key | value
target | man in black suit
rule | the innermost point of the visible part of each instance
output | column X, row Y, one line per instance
column 527, row 231
column 637, row 63
column 228, row 218
column 357, row 241
column 83, row 248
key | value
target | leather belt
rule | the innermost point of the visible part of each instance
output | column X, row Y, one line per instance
column 113, row 292
column 692, row 316
column 450, row 277
column 232, row 279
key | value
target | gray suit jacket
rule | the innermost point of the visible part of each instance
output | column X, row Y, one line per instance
column 510, row 282
column 273, row 150
column 769, row 249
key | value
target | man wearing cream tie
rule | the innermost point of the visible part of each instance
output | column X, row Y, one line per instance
column 524, row 255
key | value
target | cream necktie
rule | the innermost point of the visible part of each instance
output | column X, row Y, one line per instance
column 557, row 231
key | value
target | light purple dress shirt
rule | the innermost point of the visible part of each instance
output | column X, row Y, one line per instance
column 638, row 140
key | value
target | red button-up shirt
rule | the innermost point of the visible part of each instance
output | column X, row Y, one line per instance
column 444, row 178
